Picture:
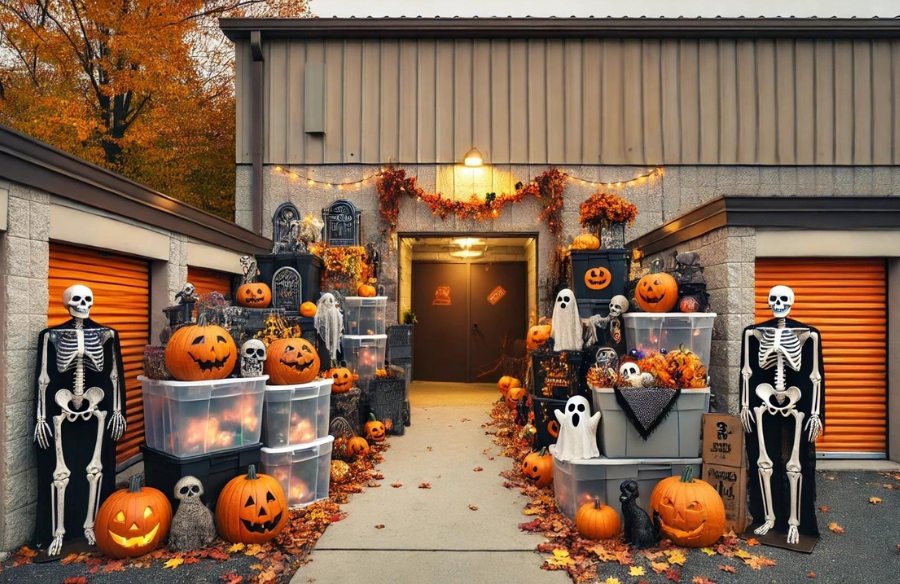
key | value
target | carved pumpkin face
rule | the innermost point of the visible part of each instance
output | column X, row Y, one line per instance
column 291, row 362
column 132, row 522
column 691, row 512
column 201, row 353
column 538, row 468
column 514, row 395
column 357, row 446
column 255, row 295
column 656, row 292
column 251, row 508
column 308, row 309
column 343, row 379
column 506, row 382
column 374, row 429
column 597, row 278
column 537, row 336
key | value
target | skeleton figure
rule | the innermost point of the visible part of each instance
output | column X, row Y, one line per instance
column 617, row 307
column 329, row 322
column 248, row 266
column 79, row 346
column 577, row 431
column 253, row 356
column 192, row 526
column 566, row 324
column 631, row 374
column 780, row 348
column 187, row 294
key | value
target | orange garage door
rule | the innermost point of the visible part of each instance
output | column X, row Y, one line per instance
column 205, row 280
column 844, row 299
column 121, row 287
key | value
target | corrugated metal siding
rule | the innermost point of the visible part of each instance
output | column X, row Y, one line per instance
column 804, row 102
column 206, row 280
column 846, row 301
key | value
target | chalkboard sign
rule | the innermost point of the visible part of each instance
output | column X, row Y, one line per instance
column 341, row 224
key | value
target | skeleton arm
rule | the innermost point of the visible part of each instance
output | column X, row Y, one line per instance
column 814, row 425
column 117, row 423
column 746, row 372
column 42, row 432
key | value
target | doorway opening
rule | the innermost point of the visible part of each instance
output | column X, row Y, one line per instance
column 474, row 296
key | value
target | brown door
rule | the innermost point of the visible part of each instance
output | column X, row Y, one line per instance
column 440, row 298
column 497, row 307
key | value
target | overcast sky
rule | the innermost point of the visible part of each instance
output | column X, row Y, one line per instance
column 668, row 8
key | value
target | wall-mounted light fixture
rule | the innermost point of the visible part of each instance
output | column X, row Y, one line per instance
column 471, row 248
column 473, row 158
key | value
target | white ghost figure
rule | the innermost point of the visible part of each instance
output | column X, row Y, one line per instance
column 577, row 431
column 329, row 322
column 567, row 335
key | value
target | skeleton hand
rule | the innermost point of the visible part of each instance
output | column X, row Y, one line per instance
column 42, row 433
column 814, row 426
column 747, row 420
column 116, row 425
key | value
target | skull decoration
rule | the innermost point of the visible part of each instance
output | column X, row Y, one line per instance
column 781, row 298
column 618, row 306
column 79, row 299
column 253, row 357
column 630, row 372
column 188, row 488
column 607, row 357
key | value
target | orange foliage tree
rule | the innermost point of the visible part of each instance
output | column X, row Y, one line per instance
column 142, row 87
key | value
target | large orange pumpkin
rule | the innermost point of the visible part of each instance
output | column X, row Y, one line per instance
column 291, row 362
column 691, row 512
column 201, row 353
column 586, row 241
column 374, row 429
column 254, row 295
column 506, row 382
column 251, row 508
column 308, row 309
column 538, row 468
column 515, row 394
column 657, row 292
column 537, row 336
column 133, row 521
column 597, row 521
column 366, row 290
column 343, row 379
column 597, row 278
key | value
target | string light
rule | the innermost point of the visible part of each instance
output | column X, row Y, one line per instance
column 618, row 184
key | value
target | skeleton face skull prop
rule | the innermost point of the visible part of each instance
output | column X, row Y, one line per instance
column 253, row 357
column 577, row 430
column 618, row 306
column 629, row 370
column 781, row 298
column 188, row 488
column 607, row 357
column 78, row 299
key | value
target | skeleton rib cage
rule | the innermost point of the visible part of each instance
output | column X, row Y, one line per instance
column 66, row 342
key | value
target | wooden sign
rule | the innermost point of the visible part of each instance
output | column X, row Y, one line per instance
column 496, row 295
column 442, row 296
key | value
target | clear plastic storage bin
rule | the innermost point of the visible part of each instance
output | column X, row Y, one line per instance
column 304, row 471
column 364, row 316
column 647, row 331
column 187, row 418
column 364, row 354
column 297, row 414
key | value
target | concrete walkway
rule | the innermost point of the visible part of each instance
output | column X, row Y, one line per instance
column 431, row 535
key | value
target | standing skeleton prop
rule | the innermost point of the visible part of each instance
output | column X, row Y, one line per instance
column 80, row 371
column 782, row 388
column 329, row 323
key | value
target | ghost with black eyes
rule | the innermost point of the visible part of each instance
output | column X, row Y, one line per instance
column 577, row 431
column 567, row 332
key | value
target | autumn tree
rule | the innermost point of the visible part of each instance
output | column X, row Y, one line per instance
column 142, row 87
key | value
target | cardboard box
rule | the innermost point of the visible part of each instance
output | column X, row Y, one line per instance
column 723, row 440
column 731, row 484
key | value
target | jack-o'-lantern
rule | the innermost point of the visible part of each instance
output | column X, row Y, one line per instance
column 374, row 429
column 691, row 512
column 308, row 309
column 595, row 520
column 506, row 382
column 343, row 379
column 201, row 353
column 366, row 290
column 251, row 508
column 514, row 395
column 133, row 521
column 585, row 241
column 553, row 428
column 254, row 295
column 538, row 468
column 656, row 292
column 357, row 446
column 291, row 362
column 597, row 278
column 537, row 336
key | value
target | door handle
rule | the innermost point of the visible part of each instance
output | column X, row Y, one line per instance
column 475, row 324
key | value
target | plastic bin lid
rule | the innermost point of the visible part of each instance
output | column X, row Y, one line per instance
column 628, row 315
column 362, row 298
column 360, row 337
column 689, row 390
column 213, row 382
column 603, row 461
column 294, row 447
column 316, row 383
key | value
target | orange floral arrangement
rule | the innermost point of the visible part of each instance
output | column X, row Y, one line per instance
column 686, row 369
column 342, row 266
column 603, row 209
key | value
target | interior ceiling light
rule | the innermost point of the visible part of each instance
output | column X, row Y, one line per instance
column 468, row 241
column 467, row 253
column 473, row 158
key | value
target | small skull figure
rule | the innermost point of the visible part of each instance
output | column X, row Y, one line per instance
column 192, row 526
column 781, row 298
column 253, row 356
column 631, row 374
column 187, row 294
column 78, row 299
column 618, row 306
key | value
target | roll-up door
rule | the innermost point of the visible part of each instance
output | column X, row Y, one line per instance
column 846, row 300
column 205, row 280
column 121, row 287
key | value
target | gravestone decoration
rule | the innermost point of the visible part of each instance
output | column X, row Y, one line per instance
column 286, row 291
column 285, row 228
column 341, row 224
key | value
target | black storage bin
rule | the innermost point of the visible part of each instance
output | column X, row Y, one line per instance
column 588, row 307
column 558, row 375
column 387, row 400
column 399, row 342
column 616, row 261
column 214, row 470
column 545, row 420
column 308, row 266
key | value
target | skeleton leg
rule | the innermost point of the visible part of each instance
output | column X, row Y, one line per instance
column 795, row 479
column 60, row 481
column 764, row 468
column 94, row 476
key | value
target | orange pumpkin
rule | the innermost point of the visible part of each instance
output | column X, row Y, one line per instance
column 291, row 362
column 538, row 468
column 374, row 429
column 357, row 446
column 553, row 428
column 597, row 278
column 537, row 336
column 365, row 290
column 689, row 304
column 515, row 394
column 506, row 382
column 254, row 295
column 308, row 309
column 597, row 521
column 586, row 241
column 133, row 521
column 201, row 353
column 343, row 379
column 251, row 508
column 691, row 512
column 657, row 292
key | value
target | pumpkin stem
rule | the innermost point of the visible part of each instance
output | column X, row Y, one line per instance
column 597, row 504
column 543, row 451
column 372, row 417
column 134, row 484
column 687, row 475
column 251, row 472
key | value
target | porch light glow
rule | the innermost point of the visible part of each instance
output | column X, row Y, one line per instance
column 473, row 158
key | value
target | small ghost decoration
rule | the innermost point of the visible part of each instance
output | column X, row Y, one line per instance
column 577, row 431
column 329, row 322
column 566, row 324
column 631, row 374
column 192, row 526
column 253, row 357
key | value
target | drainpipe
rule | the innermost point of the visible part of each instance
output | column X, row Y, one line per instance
column 257, row 134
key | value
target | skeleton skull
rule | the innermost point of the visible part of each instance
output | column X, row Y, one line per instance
column 253, row 356
column 78, row 299
column 781, row 298
column 618, row 306
column 188, row 290
column 188, row 488
column 629, row 370
column 607, row 357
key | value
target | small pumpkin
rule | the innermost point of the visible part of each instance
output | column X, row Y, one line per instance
column 538, row 468
column 506, row 382
column 374, row 429
column 597, row 278
column 595, row 520
column 537, row 336
column 201, row 353
column 251, row 508
column 366, row 290
column 291, row 362
column 343, row 379
column 691, row 512
column 689, row 304
column 657, row 292
column 254, row 295
column 586, row 241
column 357, row 446
column 308, row 309
column 133, row 521
column 515, row 394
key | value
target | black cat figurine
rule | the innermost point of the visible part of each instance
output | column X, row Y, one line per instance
column 639, row 530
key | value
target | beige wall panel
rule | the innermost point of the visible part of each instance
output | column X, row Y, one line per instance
column 462, row 78
column 518, row 101
column 671, row 102
column 266, row 91
column 862, row 102
column 767, row 125
column 390, row 100
column 334, row 101
column 824, row 54
column 747, row 103
column 728, row 110
column 573, row 89
column 353, row 108
column 555, row 84
column 784, row 95
column 708, row 81
column 296, row 138
column 277, row 69
column 689, row 88
column 804, row 80
column 882, row 113
column 652, row 102
column 445, row 99
column 612, row 95
column 481, row 100
column 242, row 95
column 409, row 89
column 371, row 103
column 633, row 105
column 537, row 101
column 426, row 117
column 315, row 143
column 500, row 102
column 591, row 73
column 895, row 75
column 843, row 102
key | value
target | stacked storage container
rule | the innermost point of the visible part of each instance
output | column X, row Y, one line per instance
column 365, row 342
